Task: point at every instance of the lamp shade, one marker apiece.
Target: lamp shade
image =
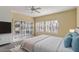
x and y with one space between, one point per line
71 30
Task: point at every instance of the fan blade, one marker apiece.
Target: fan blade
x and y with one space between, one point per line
37 11
38 8
32 6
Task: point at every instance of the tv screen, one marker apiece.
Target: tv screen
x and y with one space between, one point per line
5 27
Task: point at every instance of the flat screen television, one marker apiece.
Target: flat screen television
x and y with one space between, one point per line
5 27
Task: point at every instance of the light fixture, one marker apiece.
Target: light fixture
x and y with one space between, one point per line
71 30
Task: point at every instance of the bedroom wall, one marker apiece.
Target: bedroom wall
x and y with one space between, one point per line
78 17
67 20
5 16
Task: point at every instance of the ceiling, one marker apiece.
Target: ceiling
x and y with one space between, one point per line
45 10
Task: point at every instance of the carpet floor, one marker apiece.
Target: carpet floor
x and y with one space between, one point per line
11 46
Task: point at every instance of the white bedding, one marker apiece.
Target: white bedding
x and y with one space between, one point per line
45 43
63 49
49 44
29 43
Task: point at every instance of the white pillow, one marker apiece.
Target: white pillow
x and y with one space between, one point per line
77 30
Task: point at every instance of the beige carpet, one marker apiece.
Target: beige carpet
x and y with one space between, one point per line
6 47
12 47
17 49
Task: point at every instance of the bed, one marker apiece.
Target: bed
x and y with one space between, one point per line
45 43
63 49
28 44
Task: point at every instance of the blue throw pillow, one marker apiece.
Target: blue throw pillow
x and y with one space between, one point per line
73 34
68 41
75 44
69 34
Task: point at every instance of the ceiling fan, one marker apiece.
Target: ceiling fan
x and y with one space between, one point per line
34 9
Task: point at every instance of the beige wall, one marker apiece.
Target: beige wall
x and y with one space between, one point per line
78 17
67 20
19 16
